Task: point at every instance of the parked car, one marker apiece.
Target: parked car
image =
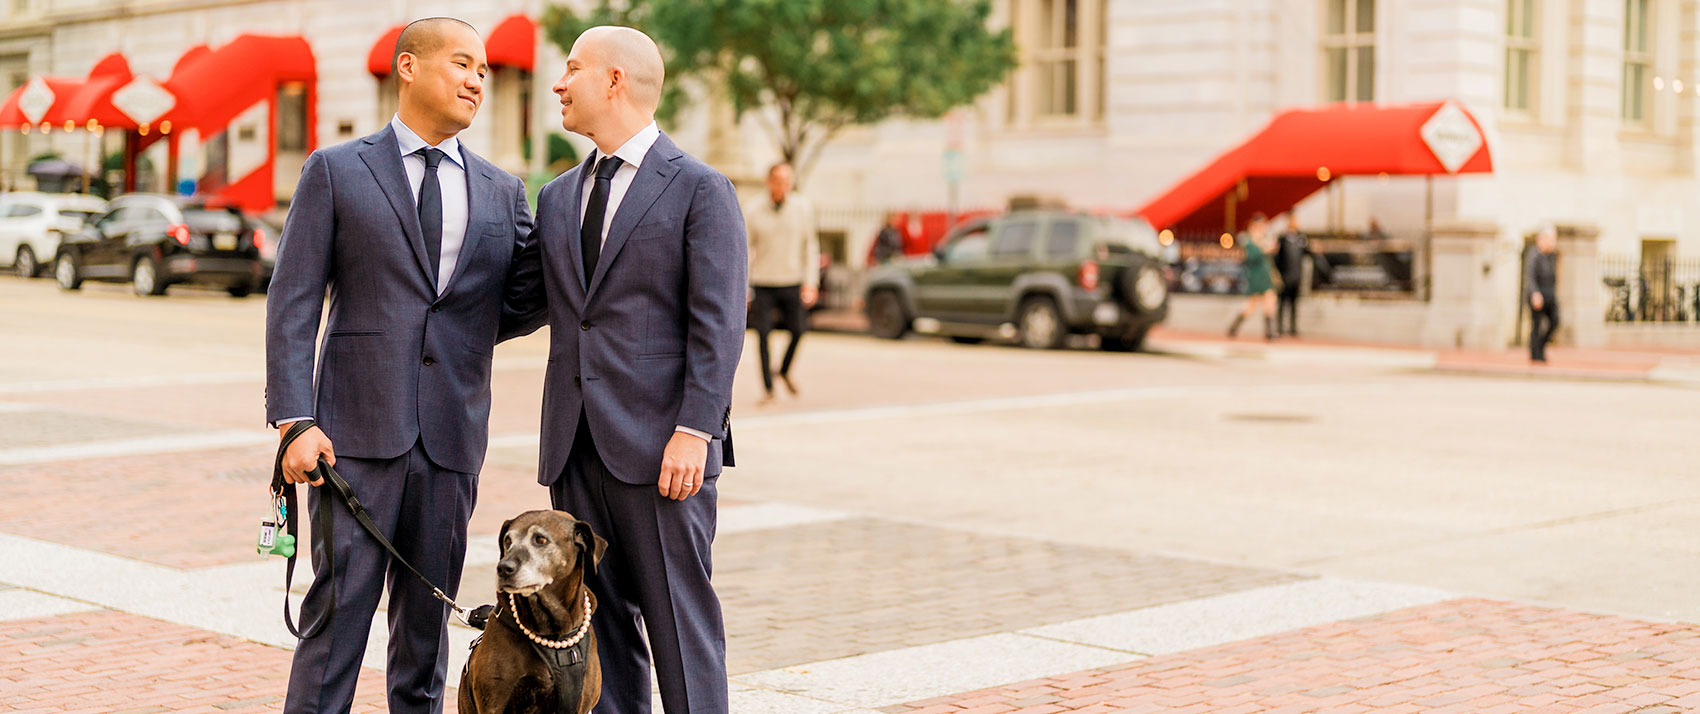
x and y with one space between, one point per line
32 225
1035 276
156 241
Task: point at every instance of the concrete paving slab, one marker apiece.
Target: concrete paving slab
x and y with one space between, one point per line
26 604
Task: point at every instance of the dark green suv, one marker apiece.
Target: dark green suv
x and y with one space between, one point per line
1034 276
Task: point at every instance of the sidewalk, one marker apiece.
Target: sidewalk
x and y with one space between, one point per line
1648 365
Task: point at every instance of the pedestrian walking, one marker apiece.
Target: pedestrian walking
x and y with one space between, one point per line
1292 251
1540 291
1259 283
784 269
638 264
888 245
413 236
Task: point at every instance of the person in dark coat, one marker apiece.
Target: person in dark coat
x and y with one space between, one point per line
1290 254
1540 290
888 245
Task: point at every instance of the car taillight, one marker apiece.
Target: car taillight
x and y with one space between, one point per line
259 239
1087 277
179 232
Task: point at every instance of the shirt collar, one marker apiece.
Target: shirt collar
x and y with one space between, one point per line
637 147
410 142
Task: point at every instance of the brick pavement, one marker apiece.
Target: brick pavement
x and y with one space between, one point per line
1463 656
113 662
842 588
49 427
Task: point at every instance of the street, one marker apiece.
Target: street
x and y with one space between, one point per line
925 520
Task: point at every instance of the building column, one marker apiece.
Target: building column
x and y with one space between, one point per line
1582 320
1465 310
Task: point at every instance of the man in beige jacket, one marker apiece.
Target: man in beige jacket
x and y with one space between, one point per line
784 268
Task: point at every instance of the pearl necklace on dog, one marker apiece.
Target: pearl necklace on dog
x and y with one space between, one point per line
554 644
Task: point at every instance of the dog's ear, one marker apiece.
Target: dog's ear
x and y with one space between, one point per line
589 543
502 535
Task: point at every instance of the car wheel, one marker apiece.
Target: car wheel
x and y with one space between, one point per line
961 340
144 277
886 318
25 263
1143 287
240 290
1041 324
1128 341
66 271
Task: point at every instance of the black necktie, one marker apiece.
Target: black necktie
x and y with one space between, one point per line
590 232
431 208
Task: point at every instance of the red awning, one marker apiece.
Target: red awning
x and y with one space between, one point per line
513 43
1301 150
383 52
12 115
93 99
212 87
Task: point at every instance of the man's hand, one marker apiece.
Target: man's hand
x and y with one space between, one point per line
1537 300
810 295
682 465
303 455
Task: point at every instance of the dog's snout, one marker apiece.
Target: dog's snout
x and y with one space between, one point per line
506 568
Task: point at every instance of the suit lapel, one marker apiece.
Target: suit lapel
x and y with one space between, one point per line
653 177
481 207
575 197
383 157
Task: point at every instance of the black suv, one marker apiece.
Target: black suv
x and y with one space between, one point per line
1035 276
154 241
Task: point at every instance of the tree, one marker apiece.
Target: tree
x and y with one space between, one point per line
820 65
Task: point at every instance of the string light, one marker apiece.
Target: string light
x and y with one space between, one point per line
1322 173
1166 237
1227 240
165 127
93 125
142 130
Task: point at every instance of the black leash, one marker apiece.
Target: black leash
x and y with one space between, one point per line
322 528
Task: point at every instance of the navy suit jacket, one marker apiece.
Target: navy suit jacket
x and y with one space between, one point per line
651 340
399 364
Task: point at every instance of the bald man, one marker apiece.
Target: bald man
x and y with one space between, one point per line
414 237
638 264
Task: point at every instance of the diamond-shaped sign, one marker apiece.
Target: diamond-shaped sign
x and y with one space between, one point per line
143 100
36 100
1451 136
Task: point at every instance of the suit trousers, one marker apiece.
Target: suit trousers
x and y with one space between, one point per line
1287 309
654 580
788 301
423 509
1542 322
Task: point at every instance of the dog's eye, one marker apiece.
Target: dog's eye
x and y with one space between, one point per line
540 540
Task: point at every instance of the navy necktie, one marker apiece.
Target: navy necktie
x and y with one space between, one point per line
590 232
431 209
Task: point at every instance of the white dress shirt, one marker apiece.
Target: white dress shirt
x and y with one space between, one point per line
631 153
451 178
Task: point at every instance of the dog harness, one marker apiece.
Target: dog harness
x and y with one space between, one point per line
565 661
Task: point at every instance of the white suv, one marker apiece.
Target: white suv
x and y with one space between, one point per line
31 225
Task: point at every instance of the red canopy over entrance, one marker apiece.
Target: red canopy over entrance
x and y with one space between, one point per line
513 43
378 58
212 87
1302 150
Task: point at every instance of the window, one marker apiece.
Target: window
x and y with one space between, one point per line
1637 61
1064 240
1348 51
22 211
970 247
1520 54
291 130
1064 60
1015 238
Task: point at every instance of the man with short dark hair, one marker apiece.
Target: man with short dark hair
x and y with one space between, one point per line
1540 291
784 269
413 236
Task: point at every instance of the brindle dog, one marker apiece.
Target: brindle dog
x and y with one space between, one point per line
546 556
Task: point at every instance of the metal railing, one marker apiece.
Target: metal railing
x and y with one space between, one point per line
1637 289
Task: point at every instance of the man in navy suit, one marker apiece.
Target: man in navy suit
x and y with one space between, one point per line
638 264
414 236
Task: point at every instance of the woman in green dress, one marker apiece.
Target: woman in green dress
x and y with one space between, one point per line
1259 279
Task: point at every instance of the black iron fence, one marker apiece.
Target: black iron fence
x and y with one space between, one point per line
1648 289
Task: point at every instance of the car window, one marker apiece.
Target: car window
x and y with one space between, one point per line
1015 238
23 211
110 218
212 220
969 247
148 215
78 215
1063 240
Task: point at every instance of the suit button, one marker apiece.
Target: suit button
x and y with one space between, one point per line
576 381
584 326
436 308
429 361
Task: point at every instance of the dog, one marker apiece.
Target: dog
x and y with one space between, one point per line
540 590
